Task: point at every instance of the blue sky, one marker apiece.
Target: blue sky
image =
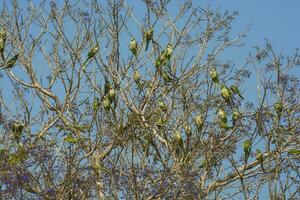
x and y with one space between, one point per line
276 20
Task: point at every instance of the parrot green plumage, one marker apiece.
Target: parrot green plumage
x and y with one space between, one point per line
112 94
222 115
236 116
278 108
11 62
106 103
96 104
3 35
199 121
136 77
162 106
161 60
2 46
169 51
148 36
107 86
236 91
225 126
260 158
17 130
160 122
178 139
91 54
188 129
247 149
133 46
214 75
226 93
222 118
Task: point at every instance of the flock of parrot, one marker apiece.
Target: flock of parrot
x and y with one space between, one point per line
162 60
227 94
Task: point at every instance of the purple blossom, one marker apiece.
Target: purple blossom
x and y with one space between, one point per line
86 16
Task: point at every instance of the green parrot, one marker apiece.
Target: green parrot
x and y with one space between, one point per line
225 126
158 63
11 62
260 158
199 121
226 93
247 149
2 46
160 122
96 104
278 108
17 130
148 36
169 51
137 77
107 86
166 77
90 55
112 94
178 139
3 35
222 115
223 119
106 103
188 130
161 60
133 46
214 75
236 116
162 106
236 91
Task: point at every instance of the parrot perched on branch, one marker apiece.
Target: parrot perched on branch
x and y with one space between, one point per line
107 86
236 116
260 158
236 91
222 118
214 76
90 55
162 106
199 121
226 93
247 149
17 130
178 139
169 51
133 46
278 108
137 77
3 35
148 37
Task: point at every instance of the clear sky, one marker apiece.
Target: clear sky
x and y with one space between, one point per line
275 20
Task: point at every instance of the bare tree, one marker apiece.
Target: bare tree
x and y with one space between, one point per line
132 100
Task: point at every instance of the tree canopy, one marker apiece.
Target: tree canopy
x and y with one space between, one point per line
99 101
